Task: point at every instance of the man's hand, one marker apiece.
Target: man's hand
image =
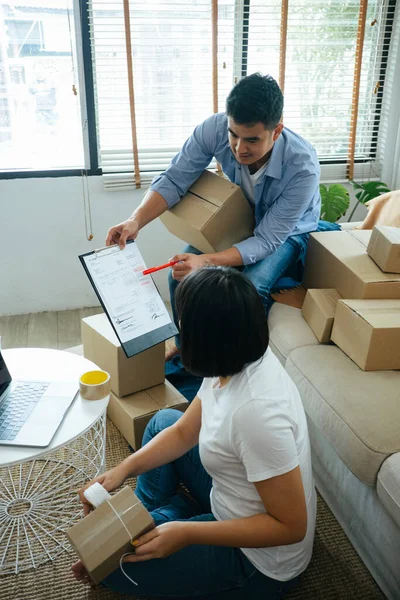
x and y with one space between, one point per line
187 263
119 234
110 480
160 542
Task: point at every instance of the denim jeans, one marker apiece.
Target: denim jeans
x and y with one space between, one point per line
204 572
264 274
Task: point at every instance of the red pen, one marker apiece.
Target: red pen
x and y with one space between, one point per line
154 269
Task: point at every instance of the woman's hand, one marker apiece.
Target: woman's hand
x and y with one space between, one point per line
80 573
110 480
160 542
187 263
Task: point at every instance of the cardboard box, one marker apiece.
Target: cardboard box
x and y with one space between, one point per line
100 539
368 331
212 216
339 260
128 375
384 248
319 311
132 413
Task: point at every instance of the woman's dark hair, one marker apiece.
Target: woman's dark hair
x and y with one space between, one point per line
222 321
256 99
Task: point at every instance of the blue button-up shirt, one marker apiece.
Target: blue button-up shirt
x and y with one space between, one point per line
286 197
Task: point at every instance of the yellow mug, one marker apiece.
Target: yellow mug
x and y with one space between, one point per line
94 385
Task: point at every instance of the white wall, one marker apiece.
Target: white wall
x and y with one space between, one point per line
42 231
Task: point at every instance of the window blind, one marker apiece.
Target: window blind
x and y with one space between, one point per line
309 46
321 47
173 83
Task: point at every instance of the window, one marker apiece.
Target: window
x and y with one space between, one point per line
312 53
321 43
40 120
172 56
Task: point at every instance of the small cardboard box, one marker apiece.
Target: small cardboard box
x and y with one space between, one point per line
368 331
212 216
319 311
384 248
132 413
100 539
339 260
128 375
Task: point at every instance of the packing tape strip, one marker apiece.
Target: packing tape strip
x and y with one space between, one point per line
96 494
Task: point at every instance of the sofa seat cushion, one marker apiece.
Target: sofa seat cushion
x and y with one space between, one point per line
388 486
358 412
288 330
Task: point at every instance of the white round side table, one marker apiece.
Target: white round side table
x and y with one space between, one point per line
38 486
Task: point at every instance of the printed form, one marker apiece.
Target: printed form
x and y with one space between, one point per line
131 299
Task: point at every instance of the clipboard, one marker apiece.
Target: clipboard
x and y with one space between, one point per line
130 299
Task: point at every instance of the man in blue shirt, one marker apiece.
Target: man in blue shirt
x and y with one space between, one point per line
277 170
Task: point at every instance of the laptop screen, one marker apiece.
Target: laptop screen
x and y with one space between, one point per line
5 377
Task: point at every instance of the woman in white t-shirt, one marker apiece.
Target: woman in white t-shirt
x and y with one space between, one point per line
245 529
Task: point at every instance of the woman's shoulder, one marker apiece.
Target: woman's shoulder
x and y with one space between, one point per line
267 382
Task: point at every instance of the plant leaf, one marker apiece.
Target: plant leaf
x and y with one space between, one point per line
368 190
335 200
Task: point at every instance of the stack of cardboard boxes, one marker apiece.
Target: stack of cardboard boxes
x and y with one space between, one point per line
353 297
138 385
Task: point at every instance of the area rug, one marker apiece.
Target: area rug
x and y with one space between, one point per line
335 573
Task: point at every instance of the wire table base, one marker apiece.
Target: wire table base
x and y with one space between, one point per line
39 502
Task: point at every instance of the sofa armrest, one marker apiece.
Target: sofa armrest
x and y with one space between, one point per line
351 225
388 486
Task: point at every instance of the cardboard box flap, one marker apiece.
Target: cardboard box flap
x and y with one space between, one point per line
361 235
326 300
139 404
194 210
391 233
103 326
165 395
216 190
380 314
352 253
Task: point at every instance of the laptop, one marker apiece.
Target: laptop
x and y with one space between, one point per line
31 411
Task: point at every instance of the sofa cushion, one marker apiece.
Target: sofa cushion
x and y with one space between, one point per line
351 225
388 486
288 330
358 412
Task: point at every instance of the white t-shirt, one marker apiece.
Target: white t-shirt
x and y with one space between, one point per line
250 180
252 429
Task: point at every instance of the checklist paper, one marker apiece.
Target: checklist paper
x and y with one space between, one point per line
129 298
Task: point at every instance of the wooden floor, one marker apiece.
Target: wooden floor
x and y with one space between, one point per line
57 330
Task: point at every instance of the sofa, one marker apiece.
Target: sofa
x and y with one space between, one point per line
354 426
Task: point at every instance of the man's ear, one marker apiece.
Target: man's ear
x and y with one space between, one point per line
277 131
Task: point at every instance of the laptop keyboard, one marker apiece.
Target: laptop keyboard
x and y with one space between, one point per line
17 406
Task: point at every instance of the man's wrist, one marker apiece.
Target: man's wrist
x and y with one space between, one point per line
135 218
211 260
226 258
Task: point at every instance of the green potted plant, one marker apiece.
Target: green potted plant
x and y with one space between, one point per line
335 201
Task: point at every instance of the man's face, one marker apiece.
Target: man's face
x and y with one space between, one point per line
251 143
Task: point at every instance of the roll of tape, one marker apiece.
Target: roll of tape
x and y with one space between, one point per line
94 385
96 494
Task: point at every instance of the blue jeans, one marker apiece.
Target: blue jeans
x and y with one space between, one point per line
206 572
264 274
